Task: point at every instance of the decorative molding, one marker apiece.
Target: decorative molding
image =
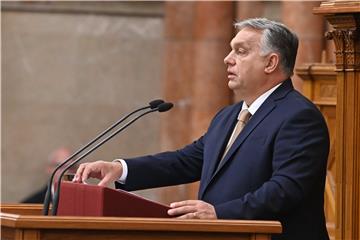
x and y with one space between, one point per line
337 6
310 71
352 56
347 52
327 91
132 9
337 36
346 37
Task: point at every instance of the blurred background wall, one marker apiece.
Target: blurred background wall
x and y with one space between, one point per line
69 69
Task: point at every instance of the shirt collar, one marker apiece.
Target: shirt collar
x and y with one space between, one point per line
258 102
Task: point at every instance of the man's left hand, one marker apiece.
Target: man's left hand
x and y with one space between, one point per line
192 209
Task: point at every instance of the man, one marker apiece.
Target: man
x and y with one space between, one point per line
274 167
55 158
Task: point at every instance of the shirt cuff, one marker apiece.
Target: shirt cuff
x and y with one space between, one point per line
124 174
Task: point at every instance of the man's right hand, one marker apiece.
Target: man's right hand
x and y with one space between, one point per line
107 172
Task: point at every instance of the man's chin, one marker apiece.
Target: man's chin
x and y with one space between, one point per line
232 85
237 90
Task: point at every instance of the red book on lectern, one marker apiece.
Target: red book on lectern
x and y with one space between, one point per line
91 200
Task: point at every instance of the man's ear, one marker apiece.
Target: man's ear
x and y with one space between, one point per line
272 63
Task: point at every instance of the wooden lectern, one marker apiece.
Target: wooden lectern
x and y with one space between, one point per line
86 206
24 221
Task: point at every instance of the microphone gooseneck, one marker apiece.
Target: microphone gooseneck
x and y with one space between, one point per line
48 198
161 107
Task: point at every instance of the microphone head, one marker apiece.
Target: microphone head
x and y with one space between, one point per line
165 107
155 103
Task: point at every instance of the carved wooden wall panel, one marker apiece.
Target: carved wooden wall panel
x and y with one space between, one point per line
320 88
344 16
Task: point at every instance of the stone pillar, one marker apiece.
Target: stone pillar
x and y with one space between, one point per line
213 30
344 16
178 73
197 40
177 84
310 30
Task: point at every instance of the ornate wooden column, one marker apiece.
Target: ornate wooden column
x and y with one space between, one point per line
344 16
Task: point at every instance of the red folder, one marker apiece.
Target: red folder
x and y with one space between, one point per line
92 200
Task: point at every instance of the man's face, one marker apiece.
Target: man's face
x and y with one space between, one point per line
245 65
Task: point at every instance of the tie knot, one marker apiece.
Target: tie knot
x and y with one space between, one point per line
244 116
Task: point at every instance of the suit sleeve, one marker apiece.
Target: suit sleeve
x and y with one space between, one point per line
299 159
165 169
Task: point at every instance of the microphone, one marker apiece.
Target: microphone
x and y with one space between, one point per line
152 105
163 107
155 103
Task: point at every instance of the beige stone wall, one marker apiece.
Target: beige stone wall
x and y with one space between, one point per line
66 76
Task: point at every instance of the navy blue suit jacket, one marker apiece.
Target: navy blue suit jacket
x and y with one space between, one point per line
275 169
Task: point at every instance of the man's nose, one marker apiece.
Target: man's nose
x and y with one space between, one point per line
228 59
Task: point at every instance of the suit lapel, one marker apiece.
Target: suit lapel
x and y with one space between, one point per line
249 127
266 108
224 131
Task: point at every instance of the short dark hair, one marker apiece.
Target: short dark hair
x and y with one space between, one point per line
276 37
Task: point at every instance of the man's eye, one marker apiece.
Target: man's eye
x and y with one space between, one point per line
240 51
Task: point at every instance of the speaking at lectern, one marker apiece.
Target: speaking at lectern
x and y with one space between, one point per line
87 212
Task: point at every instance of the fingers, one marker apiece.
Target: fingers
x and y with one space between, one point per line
89 168
105 181
79 172
183 203
105 171
192 209
182 210
111 172
193 215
